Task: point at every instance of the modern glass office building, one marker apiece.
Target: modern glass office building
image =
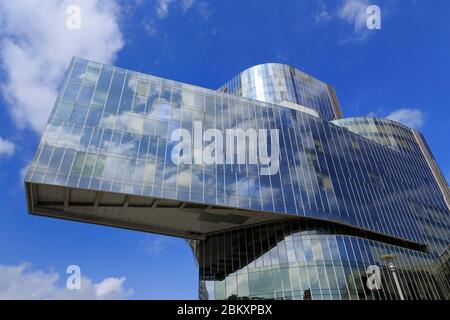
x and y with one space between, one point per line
345 192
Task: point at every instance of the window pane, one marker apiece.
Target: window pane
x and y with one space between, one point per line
78 162
149 127
94 117
113 102
104 80
108 120
77 74
125 103
100 97
79 114
85 96
130 83
99 166
64 111
139 104
188 98
90 77
135 124
165 94
117 81
142 88
71 92
67 162
89 165
44 158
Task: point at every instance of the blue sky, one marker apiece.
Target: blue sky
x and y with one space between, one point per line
400 72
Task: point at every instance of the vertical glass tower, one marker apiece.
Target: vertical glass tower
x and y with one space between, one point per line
345 193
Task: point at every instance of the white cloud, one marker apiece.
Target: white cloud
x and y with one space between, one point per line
162 6
6 147
323 15
163 9
36 48
155 244
149 26
413 118
19 282
204 10
354 12
186 4
111 286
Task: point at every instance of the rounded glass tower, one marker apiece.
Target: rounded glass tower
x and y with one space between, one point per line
285 85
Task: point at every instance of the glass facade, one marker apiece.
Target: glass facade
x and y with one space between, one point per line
340 199
305 260
383 131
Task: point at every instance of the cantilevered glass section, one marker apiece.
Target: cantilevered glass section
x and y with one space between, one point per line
338 200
